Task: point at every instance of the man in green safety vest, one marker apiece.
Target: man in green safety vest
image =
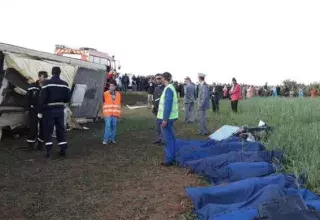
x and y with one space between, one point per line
168 113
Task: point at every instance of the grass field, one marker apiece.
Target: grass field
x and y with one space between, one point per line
125 181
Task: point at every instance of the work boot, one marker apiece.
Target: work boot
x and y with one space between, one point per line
48 153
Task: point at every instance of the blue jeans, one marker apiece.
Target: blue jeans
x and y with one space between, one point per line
170 142
110 128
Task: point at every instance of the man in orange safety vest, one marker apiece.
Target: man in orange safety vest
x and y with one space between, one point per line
111 112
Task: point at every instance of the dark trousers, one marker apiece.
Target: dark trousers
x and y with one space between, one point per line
158 131
125 88
215 104
54 117
234 106
35 127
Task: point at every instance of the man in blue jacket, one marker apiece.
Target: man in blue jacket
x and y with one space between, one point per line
168 113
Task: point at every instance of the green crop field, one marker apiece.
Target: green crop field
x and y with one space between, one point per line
296 122
125 181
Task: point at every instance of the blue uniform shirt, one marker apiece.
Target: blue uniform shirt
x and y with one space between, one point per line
168 100
55 93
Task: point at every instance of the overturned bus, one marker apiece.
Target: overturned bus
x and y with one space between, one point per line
19 67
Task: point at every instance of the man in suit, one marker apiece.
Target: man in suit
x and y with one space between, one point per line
189 100
203 103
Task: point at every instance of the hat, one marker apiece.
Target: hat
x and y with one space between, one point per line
201 75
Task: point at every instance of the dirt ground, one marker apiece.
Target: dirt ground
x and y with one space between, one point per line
123 181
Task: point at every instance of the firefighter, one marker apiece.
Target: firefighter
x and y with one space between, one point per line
111 112
54 96
35 124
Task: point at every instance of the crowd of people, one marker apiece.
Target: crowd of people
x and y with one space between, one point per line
147 84
47 99
163 95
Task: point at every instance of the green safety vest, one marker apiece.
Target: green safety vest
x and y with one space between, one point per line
175 108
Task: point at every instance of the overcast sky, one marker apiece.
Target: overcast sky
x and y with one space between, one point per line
253 40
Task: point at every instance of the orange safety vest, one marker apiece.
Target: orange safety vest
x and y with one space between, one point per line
111 107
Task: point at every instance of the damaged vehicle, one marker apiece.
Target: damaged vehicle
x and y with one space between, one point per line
19 67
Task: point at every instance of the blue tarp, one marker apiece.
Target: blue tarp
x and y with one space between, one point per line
242 170
241 200
238 192
251 210
240 164
235 166
194 150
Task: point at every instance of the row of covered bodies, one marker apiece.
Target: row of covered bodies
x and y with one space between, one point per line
247 182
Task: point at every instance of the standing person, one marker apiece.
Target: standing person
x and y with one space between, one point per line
225 92
244 91
300 93
189 100
33 95
215 97
181 90
250 92
150 89
203 103
157 94
274 92
168 113
55 94
235 93
118 81
314 93
278 90
125 82
111 113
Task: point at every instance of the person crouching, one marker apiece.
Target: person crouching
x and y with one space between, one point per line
111 112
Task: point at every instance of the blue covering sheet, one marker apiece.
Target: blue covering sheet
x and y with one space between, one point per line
251 211
240 164
249 206
243 170
194 150
212 166
238 192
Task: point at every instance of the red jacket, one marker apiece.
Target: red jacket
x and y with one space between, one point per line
235 93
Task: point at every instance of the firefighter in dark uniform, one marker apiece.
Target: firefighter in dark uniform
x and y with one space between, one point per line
54 96
35 124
